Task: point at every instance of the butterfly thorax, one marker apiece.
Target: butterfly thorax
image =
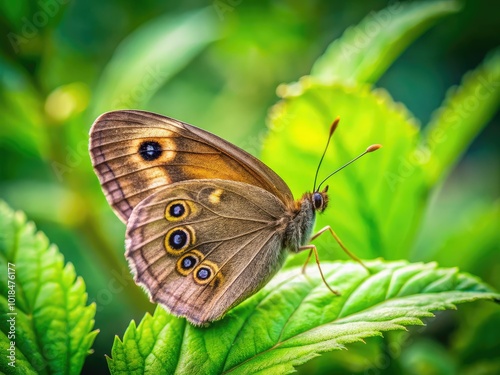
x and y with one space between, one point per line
303 215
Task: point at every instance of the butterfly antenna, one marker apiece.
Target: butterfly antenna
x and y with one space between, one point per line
369 149
332 129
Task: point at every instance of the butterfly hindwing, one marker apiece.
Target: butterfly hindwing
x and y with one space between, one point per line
201 246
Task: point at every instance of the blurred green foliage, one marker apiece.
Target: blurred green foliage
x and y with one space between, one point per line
217 65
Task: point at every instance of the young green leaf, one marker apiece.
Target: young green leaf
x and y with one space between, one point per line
46 326
477 230
464 113
151 56
295 318
366 50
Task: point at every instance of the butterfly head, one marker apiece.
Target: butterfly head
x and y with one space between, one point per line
319 200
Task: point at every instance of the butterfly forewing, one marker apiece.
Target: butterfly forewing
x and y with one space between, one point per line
199 247
137 154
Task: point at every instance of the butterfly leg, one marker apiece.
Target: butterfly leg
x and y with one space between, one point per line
328 228
316 256
306 262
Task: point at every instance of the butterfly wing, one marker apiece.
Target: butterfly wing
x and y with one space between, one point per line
200 247
136 154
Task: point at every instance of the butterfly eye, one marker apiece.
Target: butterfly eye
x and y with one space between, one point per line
150 150
177 210
188 262
318 201
178 239
206 272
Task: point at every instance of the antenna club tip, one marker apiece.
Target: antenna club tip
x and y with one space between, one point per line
373 148
334 125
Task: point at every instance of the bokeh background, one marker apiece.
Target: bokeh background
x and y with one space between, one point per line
62 63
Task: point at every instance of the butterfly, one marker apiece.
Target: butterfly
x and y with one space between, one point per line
208 224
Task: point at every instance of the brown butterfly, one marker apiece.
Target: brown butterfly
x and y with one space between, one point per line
208 224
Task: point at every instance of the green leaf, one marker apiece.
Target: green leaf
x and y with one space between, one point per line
375 204
365 51
150 56
464 113
295 318
52 322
